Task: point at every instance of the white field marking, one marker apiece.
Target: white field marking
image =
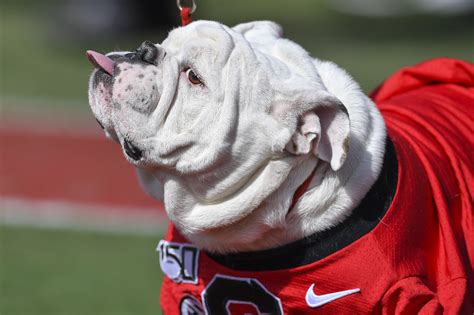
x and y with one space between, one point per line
81 217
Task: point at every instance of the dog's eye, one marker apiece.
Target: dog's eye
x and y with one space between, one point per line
192 77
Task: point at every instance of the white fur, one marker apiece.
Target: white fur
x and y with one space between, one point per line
228 155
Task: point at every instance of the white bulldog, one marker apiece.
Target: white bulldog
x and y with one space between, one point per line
225 124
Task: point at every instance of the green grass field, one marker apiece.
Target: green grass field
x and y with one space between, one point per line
53 272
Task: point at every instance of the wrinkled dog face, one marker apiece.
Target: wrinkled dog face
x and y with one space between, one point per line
215 114
176 106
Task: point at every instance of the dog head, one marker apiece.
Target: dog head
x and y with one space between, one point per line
217 120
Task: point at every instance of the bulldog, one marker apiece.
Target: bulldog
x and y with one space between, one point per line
226 124
260 150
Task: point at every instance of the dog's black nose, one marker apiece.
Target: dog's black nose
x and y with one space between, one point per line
132 151
148 52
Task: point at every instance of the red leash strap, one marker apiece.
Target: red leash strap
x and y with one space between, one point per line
185 13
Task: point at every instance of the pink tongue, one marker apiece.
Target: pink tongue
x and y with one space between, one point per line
101 61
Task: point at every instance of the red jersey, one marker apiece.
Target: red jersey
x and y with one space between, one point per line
417 259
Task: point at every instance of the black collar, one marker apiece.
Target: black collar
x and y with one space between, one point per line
320 245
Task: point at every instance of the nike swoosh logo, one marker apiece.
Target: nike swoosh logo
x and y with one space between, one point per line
314 300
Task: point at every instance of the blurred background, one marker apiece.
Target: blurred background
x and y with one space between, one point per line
77 234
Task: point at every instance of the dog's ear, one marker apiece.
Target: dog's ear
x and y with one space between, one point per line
323 129
261 29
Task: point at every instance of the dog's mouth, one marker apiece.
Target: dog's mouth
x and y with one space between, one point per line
109 88
130 94
100 61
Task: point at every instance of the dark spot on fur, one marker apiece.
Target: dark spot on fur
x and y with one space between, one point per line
154 72
153 87
120 80
143 100
117 71
141 75
129 87
117 105
345 145
119 95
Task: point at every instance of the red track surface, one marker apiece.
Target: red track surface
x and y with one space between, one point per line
75 167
